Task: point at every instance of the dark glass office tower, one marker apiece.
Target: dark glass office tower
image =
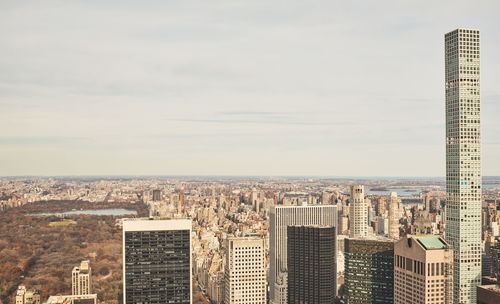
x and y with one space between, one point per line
369 271
157 261
312 264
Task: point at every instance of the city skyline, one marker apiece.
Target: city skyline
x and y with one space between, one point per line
234 89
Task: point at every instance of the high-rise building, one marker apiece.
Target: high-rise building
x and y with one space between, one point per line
463 160
495 260
156 195
369 271
394 216
245 272
358 213
27 296
312 271
157 261
488 294
280 218
423 270
81 279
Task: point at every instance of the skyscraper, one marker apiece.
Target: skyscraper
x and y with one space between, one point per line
463 160
81 283
245 272
157 261
280 218
369 271
394 216
358 213
423 270
312 261
156 195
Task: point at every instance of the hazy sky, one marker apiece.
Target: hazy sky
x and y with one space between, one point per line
337 88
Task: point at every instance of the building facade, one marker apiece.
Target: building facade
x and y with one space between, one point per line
27 296
358 213
157 261
312 271
394 216
488 294
369 271
423 270
245 271
72 299
280 218
81 279
463 160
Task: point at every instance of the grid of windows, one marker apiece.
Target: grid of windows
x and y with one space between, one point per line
463 160
245 271
369 271
311 264
157 267
280 218
358 210
418 282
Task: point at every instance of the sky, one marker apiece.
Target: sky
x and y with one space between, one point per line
235 87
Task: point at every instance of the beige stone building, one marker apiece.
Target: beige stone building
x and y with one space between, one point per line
81 283
394 215
245 278
423 270
27 296
358 213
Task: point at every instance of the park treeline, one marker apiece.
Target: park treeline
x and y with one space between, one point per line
42 256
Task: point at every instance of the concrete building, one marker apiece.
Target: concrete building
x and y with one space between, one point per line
156 195
245 271
488 294
463 160
280 218
216 287
312 271
423 270
394 216
157 261
73 299
27 296
369 271
358 213
81 279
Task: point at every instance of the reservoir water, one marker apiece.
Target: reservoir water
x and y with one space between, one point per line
114 212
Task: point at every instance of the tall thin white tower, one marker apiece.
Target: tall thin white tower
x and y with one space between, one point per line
358 213
463 161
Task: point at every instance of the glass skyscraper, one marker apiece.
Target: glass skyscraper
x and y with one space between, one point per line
157 261
369 271
280 217
312 264
463 160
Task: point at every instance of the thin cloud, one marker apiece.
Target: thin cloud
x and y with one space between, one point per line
41 140
262 122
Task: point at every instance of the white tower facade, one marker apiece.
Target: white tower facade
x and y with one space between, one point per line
463 160
280 218
245 271
358 213
81 276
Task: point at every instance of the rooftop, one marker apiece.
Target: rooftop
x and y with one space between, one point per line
431 242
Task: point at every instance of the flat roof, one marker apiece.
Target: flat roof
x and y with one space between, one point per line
156 225
431 242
